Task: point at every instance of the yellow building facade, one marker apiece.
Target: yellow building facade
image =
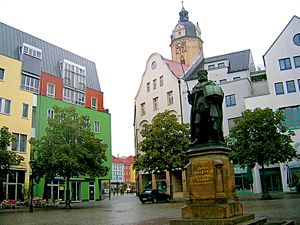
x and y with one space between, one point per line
16 113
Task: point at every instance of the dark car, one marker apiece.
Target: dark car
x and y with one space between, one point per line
154 196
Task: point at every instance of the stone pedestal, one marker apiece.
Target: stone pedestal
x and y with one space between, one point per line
211 197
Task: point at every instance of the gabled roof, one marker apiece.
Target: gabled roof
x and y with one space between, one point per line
294 17
238 61
123 160
176 68
11 38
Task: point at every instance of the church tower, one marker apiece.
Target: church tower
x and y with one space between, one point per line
186 43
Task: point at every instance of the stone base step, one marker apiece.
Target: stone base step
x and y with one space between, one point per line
281 222
236 220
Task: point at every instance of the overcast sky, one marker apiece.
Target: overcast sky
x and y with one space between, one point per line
120 35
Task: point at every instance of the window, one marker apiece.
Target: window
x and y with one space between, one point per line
223 81
25 110
148 87
51 90
13 184
87 123
50 114
290 86
74 75
68 95
279 88
153 65
230 100
80 98
285 64
30 50
19 142
296 39
155 103
292 120
161 81
73 96
5 106
94 103
96 126
170 98
299 84
210 67
221 65
1 74
143 109
154 84
30 83
296 62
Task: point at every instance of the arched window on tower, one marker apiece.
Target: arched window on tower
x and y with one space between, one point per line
182 60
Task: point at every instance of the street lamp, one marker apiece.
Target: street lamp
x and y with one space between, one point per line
32 164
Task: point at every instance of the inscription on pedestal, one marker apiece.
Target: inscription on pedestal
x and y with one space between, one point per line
201 179
202 174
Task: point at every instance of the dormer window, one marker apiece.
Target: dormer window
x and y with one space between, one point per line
211 66
74 77
221 65
30 50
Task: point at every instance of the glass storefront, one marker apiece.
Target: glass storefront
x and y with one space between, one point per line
56 190
272 178
76 190
13 185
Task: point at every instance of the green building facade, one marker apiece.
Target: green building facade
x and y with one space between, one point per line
82 188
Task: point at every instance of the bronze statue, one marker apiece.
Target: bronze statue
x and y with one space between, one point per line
206 113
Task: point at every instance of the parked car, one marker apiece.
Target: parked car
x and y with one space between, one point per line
154 196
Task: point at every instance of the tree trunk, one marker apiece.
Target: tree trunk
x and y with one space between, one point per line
2 194
171 184
68 204
265 193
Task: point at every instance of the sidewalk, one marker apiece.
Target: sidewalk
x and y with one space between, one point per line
274 195
128 210
97 204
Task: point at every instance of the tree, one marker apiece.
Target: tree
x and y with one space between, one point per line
7 158
164 145
259 137
69 149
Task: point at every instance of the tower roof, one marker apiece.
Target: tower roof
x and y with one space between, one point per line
189 27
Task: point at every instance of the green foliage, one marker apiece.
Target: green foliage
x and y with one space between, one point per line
69 147
259 137
164 145
7 158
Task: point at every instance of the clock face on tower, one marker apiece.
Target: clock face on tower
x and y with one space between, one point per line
180 47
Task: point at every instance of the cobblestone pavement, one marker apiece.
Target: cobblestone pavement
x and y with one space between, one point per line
127 210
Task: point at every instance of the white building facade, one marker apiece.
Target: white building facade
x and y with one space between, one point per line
280 89
160 89
282 62
165 84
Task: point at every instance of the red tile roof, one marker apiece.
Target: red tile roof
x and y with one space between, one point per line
177 68
123 160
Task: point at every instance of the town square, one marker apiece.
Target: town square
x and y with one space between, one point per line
173 112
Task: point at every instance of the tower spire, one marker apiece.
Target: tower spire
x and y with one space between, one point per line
183 14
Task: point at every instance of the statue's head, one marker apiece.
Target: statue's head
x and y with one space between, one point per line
202 75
